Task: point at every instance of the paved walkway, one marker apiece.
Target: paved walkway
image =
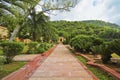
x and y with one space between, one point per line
61 65
25 57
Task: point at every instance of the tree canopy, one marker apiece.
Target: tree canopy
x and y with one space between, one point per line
20 10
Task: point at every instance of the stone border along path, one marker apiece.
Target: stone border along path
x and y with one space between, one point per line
61 65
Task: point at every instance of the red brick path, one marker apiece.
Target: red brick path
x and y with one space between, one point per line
61 65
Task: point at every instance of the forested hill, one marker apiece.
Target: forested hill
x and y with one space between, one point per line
73 25
101 23
104 30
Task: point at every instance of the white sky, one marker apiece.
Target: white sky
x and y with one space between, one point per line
107 10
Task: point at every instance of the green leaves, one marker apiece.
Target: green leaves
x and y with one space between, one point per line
115 46
11 49
83 43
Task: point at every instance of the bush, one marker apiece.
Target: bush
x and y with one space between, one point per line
2 61
104 50
83 43
10 49
95 50
115 46
35 47
43 47
80 43
32 47
40 50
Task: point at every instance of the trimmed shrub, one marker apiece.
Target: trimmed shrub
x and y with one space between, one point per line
10 49
32 47
43 47
35 47
40 50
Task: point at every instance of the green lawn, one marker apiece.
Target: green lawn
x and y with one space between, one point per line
8 68
97 72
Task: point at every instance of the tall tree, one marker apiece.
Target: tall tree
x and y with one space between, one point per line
18 9
25 8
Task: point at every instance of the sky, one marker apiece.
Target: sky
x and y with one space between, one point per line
106 10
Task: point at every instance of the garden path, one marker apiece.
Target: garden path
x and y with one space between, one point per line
61 65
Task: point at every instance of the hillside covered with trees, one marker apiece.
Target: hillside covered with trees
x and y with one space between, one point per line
98 37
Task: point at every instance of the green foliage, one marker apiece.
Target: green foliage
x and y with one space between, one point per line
105 51
95 50
40 50
79 43
1 52
2 61
103 30
25 49
96 34
43 47
101 23
35 47
32 46
83 43
37 21
115 46
110 34
10 49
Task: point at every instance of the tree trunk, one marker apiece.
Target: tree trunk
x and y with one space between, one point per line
13 35
34 35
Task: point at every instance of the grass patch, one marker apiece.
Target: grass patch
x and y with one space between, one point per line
97 72
9 68
115 55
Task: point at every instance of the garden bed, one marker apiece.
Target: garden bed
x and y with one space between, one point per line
97 72
115 64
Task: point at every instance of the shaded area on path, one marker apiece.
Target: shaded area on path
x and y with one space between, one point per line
61 65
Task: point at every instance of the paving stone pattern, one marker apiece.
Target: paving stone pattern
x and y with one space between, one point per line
61 65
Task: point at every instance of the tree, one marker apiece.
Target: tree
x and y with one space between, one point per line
18 9
115 46
36 23
110 34
28 7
